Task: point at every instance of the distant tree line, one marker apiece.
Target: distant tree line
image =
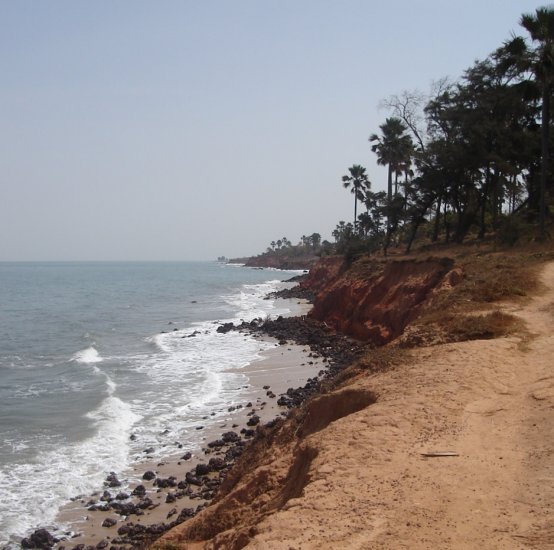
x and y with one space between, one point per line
472 156
309 245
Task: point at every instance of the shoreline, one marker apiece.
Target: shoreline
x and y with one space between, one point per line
285 366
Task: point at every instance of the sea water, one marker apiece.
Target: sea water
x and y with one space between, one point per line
100 361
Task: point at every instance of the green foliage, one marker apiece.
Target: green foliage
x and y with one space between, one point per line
470 157
509 231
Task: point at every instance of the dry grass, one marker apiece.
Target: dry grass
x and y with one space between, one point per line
482 327
489 277
373 361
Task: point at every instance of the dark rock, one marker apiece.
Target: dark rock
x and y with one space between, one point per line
253 421
202 469
171 512
225 327
102 544
213 483
112 480
149 451
139 491
170 498
109 522
99 508
124 529
233 453
121 496
185 514
41 538
170 481
216 464
216 444
192 480
230 437
126 509
145 503
186 456
148 475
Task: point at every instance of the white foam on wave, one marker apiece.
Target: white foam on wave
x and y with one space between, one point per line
159 341
195 376
250 302
59 473
87 356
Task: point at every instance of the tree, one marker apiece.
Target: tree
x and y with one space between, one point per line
541 28
393 148
358 182
315 239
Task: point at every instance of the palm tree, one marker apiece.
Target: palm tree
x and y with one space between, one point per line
359 182
393 148
541 28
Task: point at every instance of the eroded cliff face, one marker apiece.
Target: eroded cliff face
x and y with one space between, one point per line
374 301
371 300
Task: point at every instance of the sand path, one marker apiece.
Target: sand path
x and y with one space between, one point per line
491 402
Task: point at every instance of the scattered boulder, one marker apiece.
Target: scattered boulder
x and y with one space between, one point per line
253 420
109 522
192 479
139 491
230 437
170 481
225 327
216 464
145 503
202 469
112 481
41 538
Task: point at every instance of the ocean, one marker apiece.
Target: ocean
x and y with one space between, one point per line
102 360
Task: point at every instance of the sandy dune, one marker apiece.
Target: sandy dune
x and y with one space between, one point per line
354 476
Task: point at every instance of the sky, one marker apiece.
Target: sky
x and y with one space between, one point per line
187 130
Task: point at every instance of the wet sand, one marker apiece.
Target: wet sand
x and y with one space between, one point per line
280 368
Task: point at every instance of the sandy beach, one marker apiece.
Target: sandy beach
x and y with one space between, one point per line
280 368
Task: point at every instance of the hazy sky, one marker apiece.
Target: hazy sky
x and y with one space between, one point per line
134 130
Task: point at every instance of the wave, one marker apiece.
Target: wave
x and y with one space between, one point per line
172 386
60 473
87 356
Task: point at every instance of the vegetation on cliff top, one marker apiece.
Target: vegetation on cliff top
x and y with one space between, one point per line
472 157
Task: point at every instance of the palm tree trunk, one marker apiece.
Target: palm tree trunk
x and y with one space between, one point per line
484 199
389 185
436 227
545 122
